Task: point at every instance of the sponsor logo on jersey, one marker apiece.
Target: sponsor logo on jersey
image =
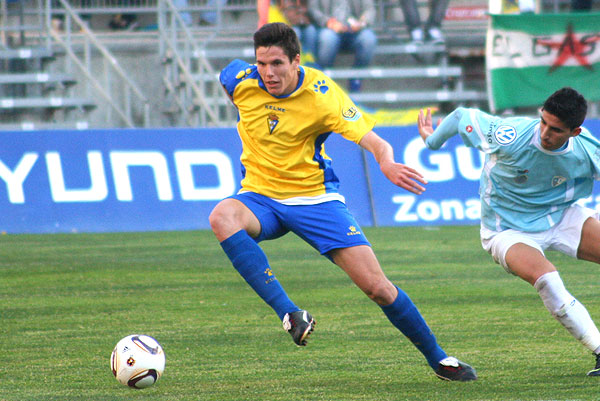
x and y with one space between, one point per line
522 177
351 113
352 231
272 120
469 128
557 180
505 135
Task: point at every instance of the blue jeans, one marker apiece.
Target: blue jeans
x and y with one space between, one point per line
307 35
185 15
362 43
210 17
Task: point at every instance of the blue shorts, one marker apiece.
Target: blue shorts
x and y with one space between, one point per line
325 226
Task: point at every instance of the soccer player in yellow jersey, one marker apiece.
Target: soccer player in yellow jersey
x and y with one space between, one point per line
286 112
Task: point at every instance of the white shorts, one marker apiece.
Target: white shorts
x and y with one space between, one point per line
563 237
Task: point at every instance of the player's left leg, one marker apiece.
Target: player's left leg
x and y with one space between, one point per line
361 265
332 230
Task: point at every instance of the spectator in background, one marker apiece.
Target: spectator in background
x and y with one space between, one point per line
124 21
58 19
581 5
182 5
344 25
295 14
432 31
210 17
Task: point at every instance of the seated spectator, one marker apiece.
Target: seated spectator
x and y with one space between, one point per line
581 5
182 5
344 25
432 31
126 22
296 14
58 18
211 17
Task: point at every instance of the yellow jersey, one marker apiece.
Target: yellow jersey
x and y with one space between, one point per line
283 137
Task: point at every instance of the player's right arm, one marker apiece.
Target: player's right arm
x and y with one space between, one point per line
471 124
233 74
448 127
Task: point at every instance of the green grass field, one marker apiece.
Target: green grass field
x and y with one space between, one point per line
65 300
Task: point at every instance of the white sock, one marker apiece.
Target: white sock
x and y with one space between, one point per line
567 310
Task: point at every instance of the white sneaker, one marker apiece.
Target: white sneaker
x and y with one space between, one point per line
435 35
416 36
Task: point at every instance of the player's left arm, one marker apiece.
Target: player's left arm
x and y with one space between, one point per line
398 173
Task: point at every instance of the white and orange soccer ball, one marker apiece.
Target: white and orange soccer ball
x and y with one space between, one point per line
137 361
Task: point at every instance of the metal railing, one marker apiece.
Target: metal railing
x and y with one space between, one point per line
184 61
205 15
117 89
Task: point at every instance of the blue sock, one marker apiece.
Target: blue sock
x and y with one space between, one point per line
251 262
406 317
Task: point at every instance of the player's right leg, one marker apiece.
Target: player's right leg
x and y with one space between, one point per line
235 225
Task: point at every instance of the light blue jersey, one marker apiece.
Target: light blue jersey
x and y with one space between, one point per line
523 186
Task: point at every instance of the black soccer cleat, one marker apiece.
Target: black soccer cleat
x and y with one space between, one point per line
596 370
452 369
299 324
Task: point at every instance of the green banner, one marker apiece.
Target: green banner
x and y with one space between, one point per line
529 56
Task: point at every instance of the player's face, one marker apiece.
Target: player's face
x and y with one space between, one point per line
553 132
279 75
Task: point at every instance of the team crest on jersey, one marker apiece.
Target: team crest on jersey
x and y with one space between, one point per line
505 135
557 180
272 120
351 113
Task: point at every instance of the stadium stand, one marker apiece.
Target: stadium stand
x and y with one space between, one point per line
26 85
82 74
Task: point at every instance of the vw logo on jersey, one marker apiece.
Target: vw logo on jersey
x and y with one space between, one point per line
505 135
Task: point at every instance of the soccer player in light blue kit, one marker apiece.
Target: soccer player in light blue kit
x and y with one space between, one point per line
286 112
535 171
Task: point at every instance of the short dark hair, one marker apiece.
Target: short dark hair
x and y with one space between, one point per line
278 34
568 105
